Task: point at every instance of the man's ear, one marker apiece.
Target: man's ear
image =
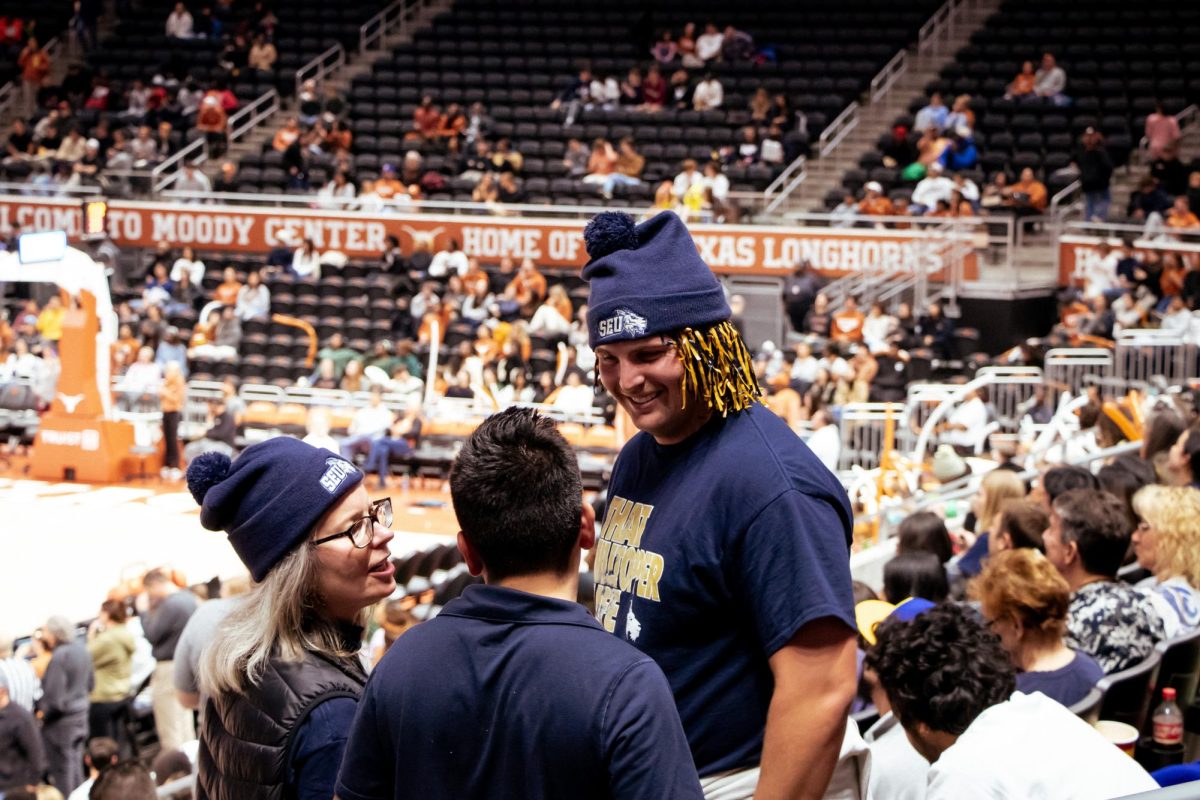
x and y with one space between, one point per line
587 527
470 555
1071 552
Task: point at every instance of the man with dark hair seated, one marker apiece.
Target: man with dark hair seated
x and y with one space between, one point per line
951 685
514 689
1058 480
1086 540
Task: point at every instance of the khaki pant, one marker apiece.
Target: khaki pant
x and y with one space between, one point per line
849 781
174 723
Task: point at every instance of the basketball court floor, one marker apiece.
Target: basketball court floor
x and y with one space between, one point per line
63 546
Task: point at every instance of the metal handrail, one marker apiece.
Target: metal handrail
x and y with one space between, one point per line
28 189
173 163
940 26
889 75
375 29
1056 202
250 116
332 59
837 130
782 187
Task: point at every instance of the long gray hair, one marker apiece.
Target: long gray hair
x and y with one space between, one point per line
279 617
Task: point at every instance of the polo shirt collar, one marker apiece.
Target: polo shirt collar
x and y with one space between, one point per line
501 604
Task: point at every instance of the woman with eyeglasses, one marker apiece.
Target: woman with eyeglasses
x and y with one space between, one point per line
281 680
1167 542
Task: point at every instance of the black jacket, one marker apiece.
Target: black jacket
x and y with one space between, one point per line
246 738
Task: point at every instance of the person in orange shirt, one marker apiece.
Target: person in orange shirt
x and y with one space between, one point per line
1181 216
561 302
227 292
1024 83
875 204
427 119
289 133
438 312
529 286
35 66
388 185
476 280
847 323
1028 195
171 395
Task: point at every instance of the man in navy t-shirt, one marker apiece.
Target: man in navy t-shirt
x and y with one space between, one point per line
724 551
514 690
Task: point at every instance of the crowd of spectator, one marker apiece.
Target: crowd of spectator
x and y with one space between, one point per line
73 697
92 129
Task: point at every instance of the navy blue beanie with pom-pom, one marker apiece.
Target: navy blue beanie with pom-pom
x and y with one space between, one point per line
647 279
270 498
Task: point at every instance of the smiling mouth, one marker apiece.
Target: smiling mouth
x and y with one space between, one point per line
642 401
382 565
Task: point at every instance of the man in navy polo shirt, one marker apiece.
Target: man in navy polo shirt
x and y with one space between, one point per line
514 690
724 552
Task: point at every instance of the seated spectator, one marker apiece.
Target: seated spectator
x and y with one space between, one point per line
933 115
960 153
874 203
685 180
332 102
680 90
961 118
845 213
630 89
426 118
687 47
528 287
1021 525
1025 84
451 261
227 291
452 124
748 151
708 44
352 379
285 136
549 320
180 24
1025 600
1169 171
664 50
138 390
308 103
1149 198
1180 216
143 148
126 780
227 181
736 45
924 532
1028 195
1167 542
212 120
963 425
253 299
915 574
368 424
716 185
72 148
485 191
847 322
306 261
654 89
262 55
508 190
628 168
1086 540
877 328
936 186
575 159
930 147
709 94
601 162
338 193
951 685
400 440
505 158
1050 81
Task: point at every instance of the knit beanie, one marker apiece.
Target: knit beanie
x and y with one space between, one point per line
270 497
648 280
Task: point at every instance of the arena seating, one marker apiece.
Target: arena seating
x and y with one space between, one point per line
516 58
44 20
1119 57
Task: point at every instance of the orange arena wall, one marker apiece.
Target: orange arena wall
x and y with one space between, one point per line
728 249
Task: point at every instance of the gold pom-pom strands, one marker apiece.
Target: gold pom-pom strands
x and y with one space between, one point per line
717 368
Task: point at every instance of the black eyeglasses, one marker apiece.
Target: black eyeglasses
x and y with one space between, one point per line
363 529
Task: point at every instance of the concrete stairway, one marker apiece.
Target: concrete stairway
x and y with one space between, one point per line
874 119
356 64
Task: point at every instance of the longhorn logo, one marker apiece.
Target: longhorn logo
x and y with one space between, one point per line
70 401
419 237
